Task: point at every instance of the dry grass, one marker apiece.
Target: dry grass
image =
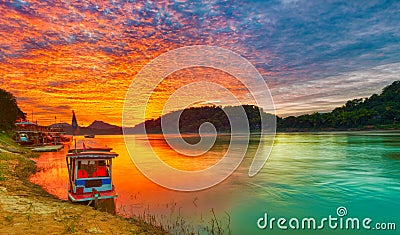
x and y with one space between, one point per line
175 223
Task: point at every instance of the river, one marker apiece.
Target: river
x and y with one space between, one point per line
307 175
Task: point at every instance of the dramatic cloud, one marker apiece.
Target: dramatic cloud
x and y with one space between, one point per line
83 55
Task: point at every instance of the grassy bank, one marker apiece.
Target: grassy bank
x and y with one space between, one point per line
26 208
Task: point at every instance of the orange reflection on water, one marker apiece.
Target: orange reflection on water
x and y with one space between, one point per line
136 193
187 163
52 173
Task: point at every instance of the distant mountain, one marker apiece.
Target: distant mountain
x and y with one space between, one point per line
96 128
101 125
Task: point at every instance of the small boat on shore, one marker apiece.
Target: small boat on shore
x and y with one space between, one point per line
48 148
89 136
90 175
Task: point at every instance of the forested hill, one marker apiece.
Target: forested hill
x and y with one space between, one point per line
376 112
191 119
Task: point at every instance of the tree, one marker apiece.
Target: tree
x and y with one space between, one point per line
9 110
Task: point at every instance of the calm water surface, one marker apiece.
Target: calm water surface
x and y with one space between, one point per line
307 175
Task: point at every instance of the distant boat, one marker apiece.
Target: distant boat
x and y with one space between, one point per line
90 176
90 136
22 138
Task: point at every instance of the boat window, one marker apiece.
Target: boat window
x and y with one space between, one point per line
102 169
82 170
92 168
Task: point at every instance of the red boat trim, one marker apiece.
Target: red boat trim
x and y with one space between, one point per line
90 196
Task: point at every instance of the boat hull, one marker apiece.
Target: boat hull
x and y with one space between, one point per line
50 148
85 197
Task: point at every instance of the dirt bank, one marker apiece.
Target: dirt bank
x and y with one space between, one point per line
26 208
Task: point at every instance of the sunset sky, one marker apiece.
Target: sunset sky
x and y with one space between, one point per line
58 56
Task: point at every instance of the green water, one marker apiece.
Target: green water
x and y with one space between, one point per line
311 175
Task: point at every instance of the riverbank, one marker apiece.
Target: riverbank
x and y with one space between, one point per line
26 208
391 127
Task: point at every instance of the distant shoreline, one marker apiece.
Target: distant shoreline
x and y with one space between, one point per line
339 130
279 131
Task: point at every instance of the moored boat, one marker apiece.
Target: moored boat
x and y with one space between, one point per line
90 175
89 136
48 148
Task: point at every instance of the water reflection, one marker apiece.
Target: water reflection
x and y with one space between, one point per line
307 174
136 193
184 162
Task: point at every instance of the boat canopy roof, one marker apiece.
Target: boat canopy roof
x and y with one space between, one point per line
93 155
90 149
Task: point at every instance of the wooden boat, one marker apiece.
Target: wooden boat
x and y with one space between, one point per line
48 148
90 176
89 136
